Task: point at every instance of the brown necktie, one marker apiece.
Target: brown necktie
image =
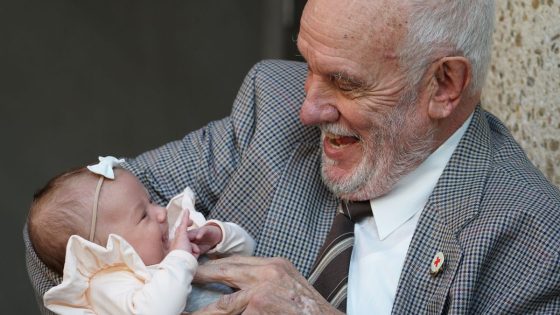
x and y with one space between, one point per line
329 275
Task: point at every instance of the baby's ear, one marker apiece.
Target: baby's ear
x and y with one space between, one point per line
450 77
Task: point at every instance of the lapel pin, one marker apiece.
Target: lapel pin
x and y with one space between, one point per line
437 263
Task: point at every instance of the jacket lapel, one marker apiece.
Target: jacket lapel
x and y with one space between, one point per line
452 205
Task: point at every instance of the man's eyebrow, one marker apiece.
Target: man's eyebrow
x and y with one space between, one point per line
347 79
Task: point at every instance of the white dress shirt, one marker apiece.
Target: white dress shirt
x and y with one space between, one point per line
381 242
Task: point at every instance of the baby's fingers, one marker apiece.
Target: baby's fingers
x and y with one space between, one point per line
201 233
182 228
195 250
196 234
190 221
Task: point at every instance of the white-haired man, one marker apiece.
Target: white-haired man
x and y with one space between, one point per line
462 222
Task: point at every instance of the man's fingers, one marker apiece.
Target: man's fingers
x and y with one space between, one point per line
244 272
248 260
226 274
268 286
270 298
234 303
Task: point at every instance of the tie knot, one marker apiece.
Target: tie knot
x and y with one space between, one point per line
356 210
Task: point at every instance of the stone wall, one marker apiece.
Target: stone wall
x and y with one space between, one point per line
523 86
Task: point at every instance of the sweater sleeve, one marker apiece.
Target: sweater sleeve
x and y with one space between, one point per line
235 240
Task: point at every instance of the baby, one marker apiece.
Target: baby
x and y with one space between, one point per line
118 252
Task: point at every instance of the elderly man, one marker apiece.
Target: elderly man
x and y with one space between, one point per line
456 218
461 221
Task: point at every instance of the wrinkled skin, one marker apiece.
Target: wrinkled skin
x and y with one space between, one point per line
267 286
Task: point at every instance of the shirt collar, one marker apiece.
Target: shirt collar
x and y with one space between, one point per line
411 192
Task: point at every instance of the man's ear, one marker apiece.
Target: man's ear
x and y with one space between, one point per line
451 76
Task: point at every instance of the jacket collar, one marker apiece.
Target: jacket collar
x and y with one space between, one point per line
411 193
454 203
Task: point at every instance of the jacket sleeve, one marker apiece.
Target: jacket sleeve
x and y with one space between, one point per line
204 159
121 292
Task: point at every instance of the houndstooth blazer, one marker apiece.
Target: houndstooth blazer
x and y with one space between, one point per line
492 214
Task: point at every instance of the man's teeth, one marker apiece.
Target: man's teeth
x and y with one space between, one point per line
337 140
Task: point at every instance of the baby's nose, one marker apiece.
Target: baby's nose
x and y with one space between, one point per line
161 214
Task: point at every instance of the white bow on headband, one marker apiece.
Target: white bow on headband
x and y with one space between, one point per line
105 166
105 169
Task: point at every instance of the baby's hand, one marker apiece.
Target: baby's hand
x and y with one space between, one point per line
205 237
181 240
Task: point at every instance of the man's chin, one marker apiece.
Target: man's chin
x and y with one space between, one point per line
357 185
334 175
342 184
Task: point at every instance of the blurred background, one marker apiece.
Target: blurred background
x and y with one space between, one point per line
80 79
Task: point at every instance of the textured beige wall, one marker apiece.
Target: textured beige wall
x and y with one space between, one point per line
523 86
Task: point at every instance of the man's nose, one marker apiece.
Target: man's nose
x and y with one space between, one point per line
319 104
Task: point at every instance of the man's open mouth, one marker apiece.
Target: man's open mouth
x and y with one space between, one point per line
340 141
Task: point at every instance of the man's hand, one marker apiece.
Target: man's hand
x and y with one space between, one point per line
267 286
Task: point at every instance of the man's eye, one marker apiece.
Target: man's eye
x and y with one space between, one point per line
343 84
344 87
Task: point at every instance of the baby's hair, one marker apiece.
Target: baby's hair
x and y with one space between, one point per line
60 209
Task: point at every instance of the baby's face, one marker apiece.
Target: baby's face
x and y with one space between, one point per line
126 209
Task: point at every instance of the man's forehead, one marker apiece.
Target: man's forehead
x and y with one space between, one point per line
376 23
364 12
335 41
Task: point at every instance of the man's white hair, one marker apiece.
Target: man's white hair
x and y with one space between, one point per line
439 28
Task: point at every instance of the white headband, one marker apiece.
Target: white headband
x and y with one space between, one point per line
105 169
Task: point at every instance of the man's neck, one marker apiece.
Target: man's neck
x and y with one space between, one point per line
445 128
